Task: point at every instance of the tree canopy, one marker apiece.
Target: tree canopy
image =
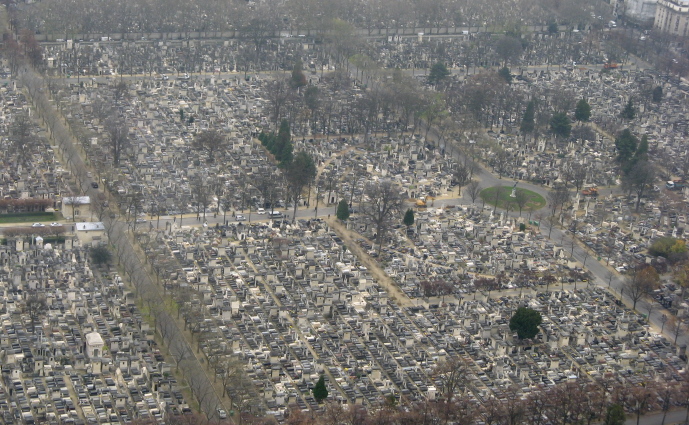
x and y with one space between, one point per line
299 172
505 74
342 210
525 322
408 219
298 78
438 73
667 246
279 145
626 144
320 391
210 141
100 255
560 125
614 415
509 49
629 111
582 111
528 123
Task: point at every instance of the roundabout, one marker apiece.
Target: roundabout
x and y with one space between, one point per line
510 198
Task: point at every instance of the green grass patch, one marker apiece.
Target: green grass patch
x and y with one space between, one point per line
502 194
32 217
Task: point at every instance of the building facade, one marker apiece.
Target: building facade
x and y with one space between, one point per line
642 11
672 16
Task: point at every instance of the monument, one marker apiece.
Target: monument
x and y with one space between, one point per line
514 190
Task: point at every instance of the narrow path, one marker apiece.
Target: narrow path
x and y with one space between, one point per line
349 237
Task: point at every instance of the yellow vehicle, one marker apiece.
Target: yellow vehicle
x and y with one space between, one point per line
422 202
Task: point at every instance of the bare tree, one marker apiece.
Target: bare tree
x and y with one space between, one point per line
210 141
180 350
277 95
22 138
202 194
677 327
639 179
473 190
299 173
383 206
501 161
35 306
460 176
641 283
521 198
451 375
119 137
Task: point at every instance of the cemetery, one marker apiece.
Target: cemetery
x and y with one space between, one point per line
251 294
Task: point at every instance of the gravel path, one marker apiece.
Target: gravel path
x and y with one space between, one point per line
350 237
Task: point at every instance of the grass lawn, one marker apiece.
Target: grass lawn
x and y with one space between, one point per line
534 200
30 217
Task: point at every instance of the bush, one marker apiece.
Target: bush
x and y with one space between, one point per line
667 247
100 255
525 322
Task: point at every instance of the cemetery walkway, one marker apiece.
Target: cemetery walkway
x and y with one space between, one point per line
349 237
61 134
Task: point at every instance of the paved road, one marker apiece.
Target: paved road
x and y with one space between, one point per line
119 235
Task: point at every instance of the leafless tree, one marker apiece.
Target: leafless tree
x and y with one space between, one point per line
299 174
383 206
558 199
119 137
501 161
202 195
640 283
451 376
35 306
180 350
461 176
278 95
210 141
521 198
639 179
21 136
473 190
677 327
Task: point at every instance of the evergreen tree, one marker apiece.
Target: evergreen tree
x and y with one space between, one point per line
560 125
582 113
626 145
100 255
525 322
528 123
342 210
642 150
657 94
283 144
505 74
320 392
298 77
614 415
408 219
629 111
437 73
